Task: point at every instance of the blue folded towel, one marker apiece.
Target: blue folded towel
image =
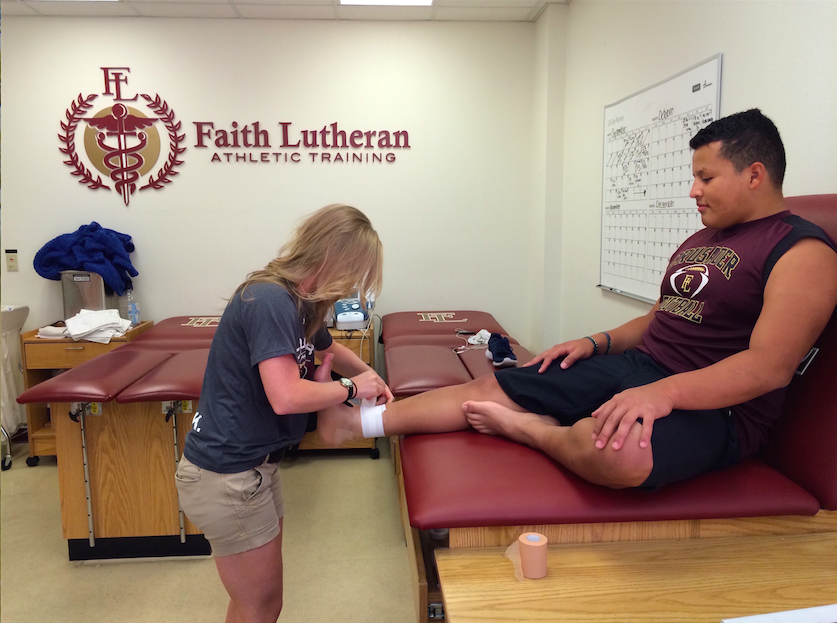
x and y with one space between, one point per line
92 248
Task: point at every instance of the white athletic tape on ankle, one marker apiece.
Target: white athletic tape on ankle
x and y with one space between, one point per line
372 418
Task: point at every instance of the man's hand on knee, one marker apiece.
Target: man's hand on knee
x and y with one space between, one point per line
613 420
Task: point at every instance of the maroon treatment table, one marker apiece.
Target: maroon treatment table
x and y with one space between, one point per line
120 421
488 490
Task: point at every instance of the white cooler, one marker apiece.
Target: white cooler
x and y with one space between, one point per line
12 414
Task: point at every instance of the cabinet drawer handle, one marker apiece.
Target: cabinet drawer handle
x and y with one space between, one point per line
74 348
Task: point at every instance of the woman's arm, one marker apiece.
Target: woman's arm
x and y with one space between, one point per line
347 363
288 393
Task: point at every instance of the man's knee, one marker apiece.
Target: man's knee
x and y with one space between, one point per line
627 467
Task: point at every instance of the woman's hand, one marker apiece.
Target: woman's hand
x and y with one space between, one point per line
369 385
571 352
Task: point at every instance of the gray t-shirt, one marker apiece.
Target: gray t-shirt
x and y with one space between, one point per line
235 427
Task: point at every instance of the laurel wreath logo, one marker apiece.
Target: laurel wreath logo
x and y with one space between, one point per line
75 113
166 115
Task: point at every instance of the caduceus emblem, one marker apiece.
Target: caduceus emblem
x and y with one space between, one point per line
124 160
121 141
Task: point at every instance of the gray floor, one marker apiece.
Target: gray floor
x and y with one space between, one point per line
345 557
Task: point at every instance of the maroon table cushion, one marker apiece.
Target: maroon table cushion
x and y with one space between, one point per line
467 479
802 445
478 364
449 340
177 378
436 323
97 380
412 370
178 334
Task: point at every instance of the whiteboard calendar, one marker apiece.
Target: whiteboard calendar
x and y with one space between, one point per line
647 177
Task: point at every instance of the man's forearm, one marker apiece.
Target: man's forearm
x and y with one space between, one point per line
626 336
734 380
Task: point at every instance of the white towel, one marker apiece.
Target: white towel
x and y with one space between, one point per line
97 326
52 333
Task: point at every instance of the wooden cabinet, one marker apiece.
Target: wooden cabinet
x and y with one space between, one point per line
41 358
131 461
362 343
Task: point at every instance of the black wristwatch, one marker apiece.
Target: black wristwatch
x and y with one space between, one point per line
349 384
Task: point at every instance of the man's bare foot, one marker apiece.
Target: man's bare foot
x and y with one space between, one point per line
492 418
338 424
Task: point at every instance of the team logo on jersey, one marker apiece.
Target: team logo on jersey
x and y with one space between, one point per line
684 281
121 139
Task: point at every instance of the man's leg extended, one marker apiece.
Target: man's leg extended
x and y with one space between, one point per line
571 446
485 406
435 411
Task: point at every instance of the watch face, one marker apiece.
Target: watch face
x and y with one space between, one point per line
347 383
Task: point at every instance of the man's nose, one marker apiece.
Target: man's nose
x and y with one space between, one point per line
695 192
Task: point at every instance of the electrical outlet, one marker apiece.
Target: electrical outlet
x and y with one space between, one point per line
11 260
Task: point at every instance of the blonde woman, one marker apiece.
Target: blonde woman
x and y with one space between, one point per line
255 398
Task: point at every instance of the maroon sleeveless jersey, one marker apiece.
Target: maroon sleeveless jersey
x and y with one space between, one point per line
710 300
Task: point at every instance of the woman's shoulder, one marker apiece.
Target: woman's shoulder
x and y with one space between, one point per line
265 292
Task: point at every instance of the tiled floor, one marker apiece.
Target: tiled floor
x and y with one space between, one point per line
344 551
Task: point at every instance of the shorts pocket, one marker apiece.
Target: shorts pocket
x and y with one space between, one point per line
248 484
187 472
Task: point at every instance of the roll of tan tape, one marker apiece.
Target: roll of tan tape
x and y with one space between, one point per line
533 554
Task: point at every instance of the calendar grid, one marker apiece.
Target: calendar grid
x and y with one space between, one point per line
646 170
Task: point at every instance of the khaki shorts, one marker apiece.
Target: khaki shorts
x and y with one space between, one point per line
236 512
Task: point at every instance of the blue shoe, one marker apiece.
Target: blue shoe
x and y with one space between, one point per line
500 351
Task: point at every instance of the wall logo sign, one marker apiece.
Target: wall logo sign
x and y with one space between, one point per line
249 143
121 138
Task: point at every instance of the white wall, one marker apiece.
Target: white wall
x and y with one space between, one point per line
778 56
495 207
454 211
547 170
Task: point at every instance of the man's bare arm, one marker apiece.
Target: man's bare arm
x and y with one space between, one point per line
622 338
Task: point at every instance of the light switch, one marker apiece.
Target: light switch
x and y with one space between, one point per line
11 260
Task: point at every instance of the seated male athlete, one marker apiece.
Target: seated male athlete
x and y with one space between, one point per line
697 383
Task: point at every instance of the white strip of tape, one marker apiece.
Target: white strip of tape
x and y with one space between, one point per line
372 418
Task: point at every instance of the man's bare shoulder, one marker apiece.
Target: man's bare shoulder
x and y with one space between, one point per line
810 256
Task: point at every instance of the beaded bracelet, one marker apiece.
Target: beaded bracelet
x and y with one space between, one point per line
595 345
609 342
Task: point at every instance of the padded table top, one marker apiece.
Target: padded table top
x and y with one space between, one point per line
467 479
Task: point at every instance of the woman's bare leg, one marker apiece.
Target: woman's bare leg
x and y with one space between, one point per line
253 580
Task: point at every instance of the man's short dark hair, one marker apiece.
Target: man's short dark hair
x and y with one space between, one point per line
747 137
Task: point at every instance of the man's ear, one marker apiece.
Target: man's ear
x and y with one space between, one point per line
757 175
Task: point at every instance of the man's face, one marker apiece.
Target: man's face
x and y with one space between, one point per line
720 192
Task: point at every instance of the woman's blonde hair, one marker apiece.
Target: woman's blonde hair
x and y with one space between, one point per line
339 247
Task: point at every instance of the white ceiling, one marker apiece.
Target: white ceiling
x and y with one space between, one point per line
442 10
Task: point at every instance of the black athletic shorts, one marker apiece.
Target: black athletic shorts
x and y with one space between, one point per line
684 444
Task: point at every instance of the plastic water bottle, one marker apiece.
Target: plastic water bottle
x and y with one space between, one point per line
133 309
